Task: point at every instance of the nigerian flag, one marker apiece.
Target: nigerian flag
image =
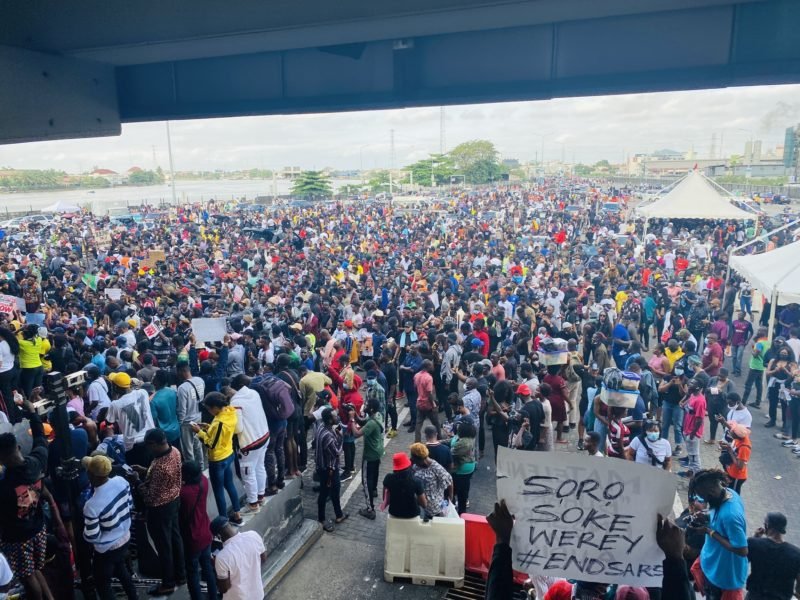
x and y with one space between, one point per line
90 280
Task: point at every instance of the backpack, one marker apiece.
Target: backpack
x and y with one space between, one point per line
276 398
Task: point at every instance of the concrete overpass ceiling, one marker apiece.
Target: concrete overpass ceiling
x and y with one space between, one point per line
112 62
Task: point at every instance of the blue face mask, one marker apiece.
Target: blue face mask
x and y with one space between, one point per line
699 499
653 436
517 279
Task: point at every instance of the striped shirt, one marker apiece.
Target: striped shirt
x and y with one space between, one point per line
107 515
327 448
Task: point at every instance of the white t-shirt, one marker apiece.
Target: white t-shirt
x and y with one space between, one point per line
6 358
742 417
660 449
240 562
132 413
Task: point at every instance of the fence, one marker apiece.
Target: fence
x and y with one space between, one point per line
737 189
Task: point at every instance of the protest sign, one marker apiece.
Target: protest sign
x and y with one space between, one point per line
8 304
34 319
435 300
154 256
585 518
114 293
209 330
238 293
200 265
21 304
151 331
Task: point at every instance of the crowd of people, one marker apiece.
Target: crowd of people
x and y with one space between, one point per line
342 319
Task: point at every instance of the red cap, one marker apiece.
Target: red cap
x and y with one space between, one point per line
401 461
524 390
348 323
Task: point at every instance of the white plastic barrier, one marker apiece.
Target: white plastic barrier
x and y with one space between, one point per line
427 553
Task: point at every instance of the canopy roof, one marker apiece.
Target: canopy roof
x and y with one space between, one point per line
694 197
778 270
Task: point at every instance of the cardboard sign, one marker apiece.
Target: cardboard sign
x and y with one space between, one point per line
102 238
200 265
209 330
34 319
114 293
151 331
585 518
238 293
435 300
8 304
154 256
21 304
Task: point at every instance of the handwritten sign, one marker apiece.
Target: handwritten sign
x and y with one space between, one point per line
102 238
34 319
114 293
238 294
154 256
209 330
200 265
151 331
8 304
587 518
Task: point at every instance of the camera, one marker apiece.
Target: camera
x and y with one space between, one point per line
698 520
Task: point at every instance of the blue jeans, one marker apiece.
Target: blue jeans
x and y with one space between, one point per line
672 414
737 352
601 428
195 564
411 399
220 472
746 305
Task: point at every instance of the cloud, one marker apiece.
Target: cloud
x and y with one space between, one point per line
586 129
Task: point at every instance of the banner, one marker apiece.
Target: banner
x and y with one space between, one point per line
154 256
114 293
209 330
8 304
200 265
151 331
238 294
585 518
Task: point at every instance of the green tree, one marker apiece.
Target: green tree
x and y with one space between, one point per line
442 166
582 170
379 182
312 184
145 178
601 165
478 161
735 160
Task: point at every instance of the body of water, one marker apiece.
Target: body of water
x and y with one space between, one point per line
118 198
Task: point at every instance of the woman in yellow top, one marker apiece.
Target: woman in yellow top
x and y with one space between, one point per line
30 359
217 436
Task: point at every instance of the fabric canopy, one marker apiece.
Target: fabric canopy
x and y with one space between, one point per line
778 270
694 197
62 206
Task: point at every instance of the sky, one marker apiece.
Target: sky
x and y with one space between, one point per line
574 129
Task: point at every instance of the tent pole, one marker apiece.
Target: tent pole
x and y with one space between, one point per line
727 278
644 241
773 308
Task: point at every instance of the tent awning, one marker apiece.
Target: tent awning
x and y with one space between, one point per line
776 270
62 206
694 197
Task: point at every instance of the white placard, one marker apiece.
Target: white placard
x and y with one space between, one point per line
585 518
114 293
435 300
152 331
209 330
238 293
8 304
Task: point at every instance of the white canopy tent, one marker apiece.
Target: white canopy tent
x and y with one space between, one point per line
62 206
776 274
694 197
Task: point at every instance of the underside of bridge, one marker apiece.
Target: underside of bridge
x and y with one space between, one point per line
80 69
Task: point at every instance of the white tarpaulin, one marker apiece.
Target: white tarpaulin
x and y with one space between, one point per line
776 270
62 206
592 519
694 197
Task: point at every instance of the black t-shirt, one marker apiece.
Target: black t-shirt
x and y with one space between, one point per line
441 454
774 568
535 413
403 491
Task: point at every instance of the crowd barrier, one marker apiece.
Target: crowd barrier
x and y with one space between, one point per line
479 546
425 552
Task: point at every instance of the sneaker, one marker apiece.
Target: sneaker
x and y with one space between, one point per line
412 429
686 474
346 476
769 424
678 450
580 445
796 449
684 461
789 441
250 509
391 433
367 513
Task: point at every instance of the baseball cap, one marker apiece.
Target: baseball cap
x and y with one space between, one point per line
122 380
98 465
776 521
477 342
218 524
524 390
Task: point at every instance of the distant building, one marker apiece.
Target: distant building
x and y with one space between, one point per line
666 154
511 163
791 151
112 177
290 172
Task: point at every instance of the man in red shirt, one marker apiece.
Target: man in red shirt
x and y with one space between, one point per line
426 401
479 332
713 355
693 424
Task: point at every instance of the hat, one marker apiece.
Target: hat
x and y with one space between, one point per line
348 323
567 325
372 374
737 429
122 380
377 313
560 590
99 466
400 461
296 327
218 524
524 390
132 322
477 342
15 326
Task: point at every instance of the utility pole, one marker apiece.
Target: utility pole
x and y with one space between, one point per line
391 158
171 167
155 162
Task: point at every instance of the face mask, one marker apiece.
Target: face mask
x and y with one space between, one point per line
653 436
678 372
